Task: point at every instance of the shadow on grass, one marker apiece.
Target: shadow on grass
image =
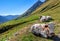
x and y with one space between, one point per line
50 20
54 38
8 27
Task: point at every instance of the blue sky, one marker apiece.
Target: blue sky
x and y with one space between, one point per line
15 7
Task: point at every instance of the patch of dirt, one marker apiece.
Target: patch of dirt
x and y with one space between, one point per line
19 33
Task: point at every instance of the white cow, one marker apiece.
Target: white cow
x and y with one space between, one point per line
38 29
45 18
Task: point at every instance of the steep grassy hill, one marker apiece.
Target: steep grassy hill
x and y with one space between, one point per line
50 7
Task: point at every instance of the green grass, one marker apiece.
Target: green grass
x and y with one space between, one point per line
31 37
48 8
55 15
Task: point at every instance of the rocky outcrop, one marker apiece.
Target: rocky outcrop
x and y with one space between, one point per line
37 29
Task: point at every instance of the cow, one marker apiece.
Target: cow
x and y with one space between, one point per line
45 18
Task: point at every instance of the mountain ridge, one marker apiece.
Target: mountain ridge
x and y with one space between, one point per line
3 19
32 8
7 18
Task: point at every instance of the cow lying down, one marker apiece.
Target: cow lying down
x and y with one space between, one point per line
45 30
45 18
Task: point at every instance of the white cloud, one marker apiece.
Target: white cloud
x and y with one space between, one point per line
42 0
8 14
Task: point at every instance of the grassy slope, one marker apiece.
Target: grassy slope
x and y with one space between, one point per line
49 8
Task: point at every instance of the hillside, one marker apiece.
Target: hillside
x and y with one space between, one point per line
50 7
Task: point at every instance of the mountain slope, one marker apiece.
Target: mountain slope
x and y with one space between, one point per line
50 7
31 9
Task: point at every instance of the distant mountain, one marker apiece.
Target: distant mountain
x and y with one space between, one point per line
33 8
3 19
7 18
10 17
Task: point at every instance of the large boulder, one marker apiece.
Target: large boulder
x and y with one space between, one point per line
37 29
